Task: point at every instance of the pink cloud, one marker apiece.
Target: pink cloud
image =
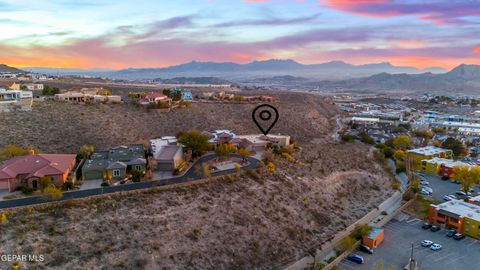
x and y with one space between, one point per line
436 11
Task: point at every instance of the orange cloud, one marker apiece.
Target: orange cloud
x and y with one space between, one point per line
477 50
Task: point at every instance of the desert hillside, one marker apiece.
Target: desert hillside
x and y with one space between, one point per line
246 222
61 127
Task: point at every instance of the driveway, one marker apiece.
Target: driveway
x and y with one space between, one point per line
3 192
90 184
396 248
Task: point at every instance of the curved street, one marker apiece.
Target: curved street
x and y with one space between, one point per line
191 175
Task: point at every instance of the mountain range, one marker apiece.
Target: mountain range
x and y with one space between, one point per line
8 69
239 72
464 79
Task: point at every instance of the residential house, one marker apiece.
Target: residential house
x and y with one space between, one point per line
78 97
33 86
155 98
20 98
116 163
9 85
27 170
186 95
169 157
259 142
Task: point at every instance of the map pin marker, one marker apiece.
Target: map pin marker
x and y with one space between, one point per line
265 117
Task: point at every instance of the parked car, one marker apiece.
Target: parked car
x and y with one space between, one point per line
451 233
435 247
365 249
426 243
445 178
435 228
461 193
428 189
426 226
424 183
458 236
453 197
355 258
447 198
424 192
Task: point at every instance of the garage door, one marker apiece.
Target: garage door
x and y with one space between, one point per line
3 184
164 166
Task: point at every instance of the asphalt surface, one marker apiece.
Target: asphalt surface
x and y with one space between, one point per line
444 187
399 236
194 173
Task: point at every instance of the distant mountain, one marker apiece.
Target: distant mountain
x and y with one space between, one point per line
462 79
69 71
196 80
8 69
238 72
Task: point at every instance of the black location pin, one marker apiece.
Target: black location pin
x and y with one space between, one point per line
265 116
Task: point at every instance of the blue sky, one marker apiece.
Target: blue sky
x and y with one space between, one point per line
142 33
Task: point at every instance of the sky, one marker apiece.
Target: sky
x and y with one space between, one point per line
158 33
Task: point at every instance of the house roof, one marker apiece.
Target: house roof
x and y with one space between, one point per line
154 95
117 165
6 83
374 233
168 152
36 165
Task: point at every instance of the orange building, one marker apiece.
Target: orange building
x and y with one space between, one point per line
375 238
464 217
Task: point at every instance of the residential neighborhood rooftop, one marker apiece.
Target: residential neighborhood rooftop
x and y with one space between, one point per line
459 208
428 150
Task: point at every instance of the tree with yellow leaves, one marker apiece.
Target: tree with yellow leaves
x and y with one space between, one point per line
466 177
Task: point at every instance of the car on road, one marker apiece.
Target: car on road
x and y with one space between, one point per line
458 236
435 228
435 247
365 249
426 243
426 226
451 233
355 258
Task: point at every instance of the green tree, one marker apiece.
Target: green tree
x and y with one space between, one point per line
195 141
11 151
50 91
244 153
402 142
206 171
365 138
136 175
361 230
346 244
45 181
466 178
225 149
457 147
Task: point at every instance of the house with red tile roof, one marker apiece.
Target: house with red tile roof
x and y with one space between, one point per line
154 98
27 170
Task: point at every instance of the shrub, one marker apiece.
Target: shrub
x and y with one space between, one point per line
105 184
27 190
53 193
68 185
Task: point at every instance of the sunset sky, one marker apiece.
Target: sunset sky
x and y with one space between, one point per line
153 33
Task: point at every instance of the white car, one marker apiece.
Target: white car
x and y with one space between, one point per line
426 243
424 183
428 189
424 192
435 247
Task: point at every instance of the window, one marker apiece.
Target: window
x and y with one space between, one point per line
138 168
116 172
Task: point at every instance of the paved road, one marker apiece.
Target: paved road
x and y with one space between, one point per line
194 173
444 187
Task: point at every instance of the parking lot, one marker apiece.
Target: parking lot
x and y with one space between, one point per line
444 187
399 236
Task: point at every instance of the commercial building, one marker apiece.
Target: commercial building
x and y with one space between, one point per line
442 166
458 215
375 238
416 156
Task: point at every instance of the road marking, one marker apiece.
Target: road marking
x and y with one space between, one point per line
347 265
414 221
